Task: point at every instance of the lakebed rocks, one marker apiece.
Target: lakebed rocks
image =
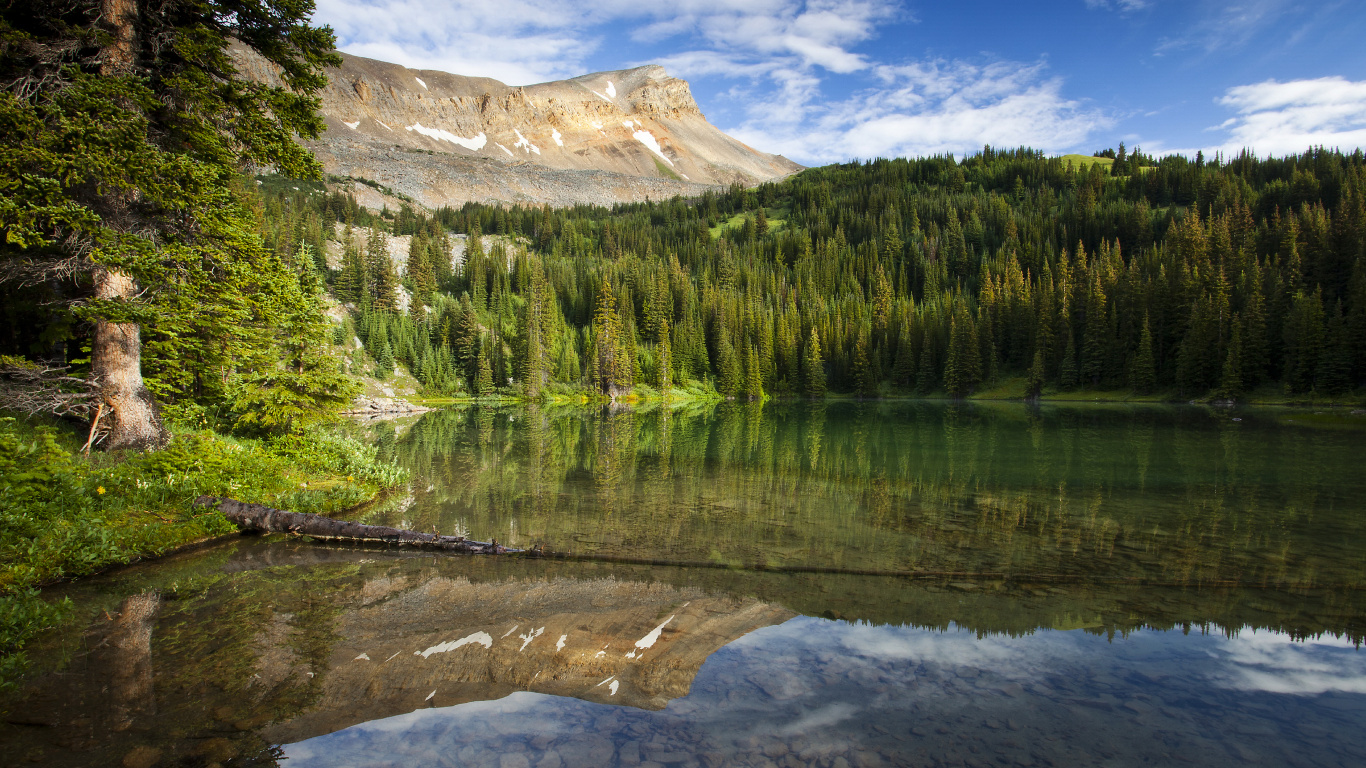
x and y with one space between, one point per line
379 406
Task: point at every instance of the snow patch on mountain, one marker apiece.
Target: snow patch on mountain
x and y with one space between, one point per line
524 143
477 143
648 139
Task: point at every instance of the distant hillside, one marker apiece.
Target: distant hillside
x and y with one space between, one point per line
1086 161
445 139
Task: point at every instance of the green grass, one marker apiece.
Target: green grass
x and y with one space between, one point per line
1085 161
666 171
776 221
64 514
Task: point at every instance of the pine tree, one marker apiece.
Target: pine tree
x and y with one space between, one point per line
384 358
927 375
381 278
1231 381
729 375
1143 373
903 372
754 381
963 368
813 366
483 383
123 124
1067 369
612 362
664 352
1094 345
863 380
1334 375
1037 374
1303 342
420 272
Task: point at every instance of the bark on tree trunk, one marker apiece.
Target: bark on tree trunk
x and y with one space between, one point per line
135 418
256 517
116 351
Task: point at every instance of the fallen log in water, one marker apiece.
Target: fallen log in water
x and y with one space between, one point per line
257 517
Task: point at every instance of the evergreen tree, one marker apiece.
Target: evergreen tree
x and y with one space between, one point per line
754 382
1231 381
963 369
123 125
1303 342
1334 375
813 366
664 351
729 375
1037 374
1143 374
483 383
865 384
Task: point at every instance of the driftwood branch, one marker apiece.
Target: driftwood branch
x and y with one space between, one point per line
257 517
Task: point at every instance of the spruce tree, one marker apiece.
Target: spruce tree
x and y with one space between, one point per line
1231 380
1334 374
729 374
123 126
863 380
1143 373
813 366
963 368
1037 375
483 383
754 380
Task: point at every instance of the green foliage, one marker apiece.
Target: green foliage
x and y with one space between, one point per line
63 514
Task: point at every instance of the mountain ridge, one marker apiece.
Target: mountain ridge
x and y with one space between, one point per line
447 139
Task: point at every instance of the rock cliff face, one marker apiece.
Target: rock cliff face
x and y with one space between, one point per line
446 139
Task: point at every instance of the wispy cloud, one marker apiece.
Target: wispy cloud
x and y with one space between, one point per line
930 107
1283 118
1123 6
1223 25
522 41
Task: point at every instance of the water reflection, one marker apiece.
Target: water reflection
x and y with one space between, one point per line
822 693
1073 587
258 650
1158 496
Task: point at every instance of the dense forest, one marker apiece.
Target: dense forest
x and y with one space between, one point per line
1201 278
1198 278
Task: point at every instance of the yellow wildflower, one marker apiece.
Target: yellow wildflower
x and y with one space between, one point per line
100 490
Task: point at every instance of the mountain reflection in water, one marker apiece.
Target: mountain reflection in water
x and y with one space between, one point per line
1072 587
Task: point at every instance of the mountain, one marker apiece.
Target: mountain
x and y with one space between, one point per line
445 139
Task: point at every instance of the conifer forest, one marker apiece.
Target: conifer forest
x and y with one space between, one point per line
1203 278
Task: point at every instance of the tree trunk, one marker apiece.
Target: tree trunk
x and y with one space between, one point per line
135 418
256 517
116 359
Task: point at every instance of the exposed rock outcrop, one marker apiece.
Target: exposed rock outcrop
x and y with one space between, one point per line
446 139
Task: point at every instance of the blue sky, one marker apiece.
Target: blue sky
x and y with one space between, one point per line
832 80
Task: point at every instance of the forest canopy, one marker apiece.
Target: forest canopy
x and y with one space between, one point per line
1198 278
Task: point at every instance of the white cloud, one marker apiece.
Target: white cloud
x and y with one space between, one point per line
1272 661
523 41
1225 25
925 108
1287 118
1122 6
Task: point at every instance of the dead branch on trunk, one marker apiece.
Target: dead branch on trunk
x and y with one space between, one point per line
34 388
257 517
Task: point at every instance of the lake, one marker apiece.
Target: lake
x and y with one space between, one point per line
787 584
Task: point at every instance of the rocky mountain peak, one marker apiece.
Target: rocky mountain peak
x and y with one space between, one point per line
445 139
